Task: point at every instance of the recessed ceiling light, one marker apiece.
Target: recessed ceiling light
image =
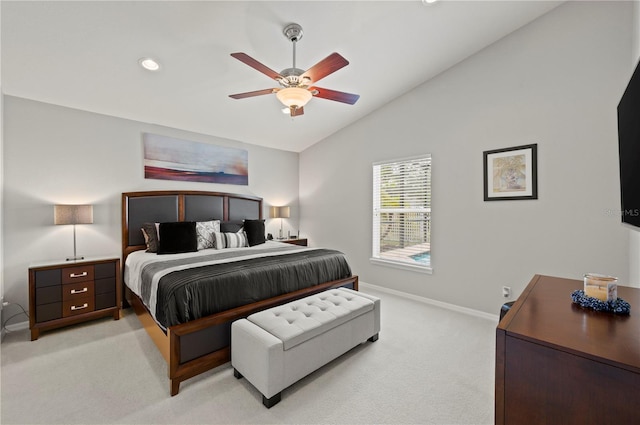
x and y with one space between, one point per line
149 64
425 2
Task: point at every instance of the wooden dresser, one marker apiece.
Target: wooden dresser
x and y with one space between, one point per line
64 293
557 363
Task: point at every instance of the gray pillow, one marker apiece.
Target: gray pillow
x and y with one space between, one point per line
150 233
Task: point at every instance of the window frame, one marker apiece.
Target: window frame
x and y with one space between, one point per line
377 210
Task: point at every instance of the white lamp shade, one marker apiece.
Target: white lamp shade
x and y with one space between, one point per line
294 96
73 214
280 212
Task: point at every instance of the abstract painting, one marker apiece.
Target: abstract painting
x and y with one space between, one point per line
166 158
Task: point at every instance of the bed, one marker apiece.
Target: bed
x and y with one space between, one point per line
194 336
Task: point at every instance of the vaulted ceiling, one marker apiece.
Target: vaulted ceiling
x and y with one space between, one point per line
85 55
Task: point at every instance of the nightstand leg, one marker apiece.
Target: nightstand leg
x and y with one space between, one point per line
35 333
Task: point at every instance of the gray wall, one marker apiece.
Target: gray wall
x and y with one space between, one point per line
55 155
555 82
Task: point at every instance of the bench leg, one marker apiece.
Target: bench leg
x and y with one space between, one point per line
373 338
237 374
270 402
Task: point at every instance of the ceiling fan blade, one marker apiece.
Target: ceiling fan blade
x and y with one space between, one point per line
338 96
245 58
326 66
252 93
297 111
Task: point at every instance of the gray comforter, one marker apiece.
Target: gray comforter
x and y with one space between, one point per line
201 288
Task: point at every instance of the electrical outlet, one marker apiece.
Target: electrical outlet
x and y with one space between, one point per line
506 291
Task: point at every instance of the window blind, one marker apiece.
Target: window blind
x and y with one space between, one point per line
402 211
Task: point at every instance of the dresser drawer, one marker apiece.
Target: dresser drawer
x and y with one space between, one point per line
73 291
77 274
78 306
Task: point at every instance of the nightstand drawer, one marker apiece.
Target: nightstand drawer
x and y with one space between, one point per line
48 295
73 291
77 306
77 274
105 285
105 300
48 312
48 278
105 270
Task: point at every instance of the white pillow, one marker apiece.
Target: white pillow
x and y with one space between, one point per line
205 231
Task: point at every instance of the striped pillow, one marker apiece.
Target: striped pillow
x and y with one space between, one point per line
230 240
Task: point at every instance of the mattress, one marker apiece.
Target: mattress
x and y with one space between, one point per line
178 288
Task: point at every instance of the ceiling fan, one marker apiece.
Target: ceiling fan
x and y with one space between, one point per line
297 86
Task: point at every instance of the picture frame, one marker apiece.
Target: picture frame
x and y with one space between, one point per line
511 173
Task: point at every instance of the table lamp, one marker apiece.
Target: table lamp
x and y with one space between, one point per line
280 212
73 214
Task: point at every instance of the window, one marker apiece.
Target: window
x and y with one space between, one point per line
402 213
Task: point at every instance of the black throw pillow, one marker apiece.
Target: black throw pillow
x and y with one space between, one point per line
230 226
177 237
255 231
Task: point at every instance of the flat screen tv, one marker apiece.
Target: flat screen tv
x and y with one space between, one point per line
629 150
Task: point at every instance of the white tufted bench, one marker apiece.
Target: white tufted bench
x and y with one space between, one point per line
275 348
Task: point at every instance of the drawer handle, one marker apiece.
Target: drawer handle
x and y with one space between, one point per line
76 307
83 274
79 291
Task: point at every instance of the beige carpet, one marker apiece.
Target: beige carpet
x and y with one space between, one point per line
430 366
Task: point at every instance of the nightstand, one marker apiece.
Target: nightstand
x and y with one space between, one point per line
65 293
294 241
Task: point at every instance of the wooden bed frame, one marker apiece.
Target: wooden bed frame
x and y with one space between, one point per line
203 344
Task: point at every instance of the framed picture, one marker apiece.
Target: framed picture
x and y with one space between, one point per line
511 173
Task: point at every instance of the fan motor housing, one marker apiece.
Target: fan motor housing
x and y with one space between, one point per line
292 78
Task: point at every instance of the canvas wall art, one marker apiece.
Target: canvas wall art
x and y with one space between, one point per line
166 158
511 173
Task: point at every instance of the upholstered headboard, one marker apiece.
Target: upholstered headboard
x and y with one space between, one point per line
183 205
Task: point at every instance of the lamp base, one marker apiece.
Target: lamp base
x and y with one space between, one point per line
75 258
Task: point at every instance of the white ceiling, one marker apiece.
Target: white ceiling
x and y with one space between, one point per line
84 54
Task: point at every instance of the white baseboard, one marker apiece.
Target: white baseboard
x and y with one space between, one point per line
18 326
459 309
13 328
477 313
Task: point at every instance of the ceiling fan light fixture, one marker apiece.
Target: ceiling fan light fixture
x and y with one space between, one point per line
294 97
